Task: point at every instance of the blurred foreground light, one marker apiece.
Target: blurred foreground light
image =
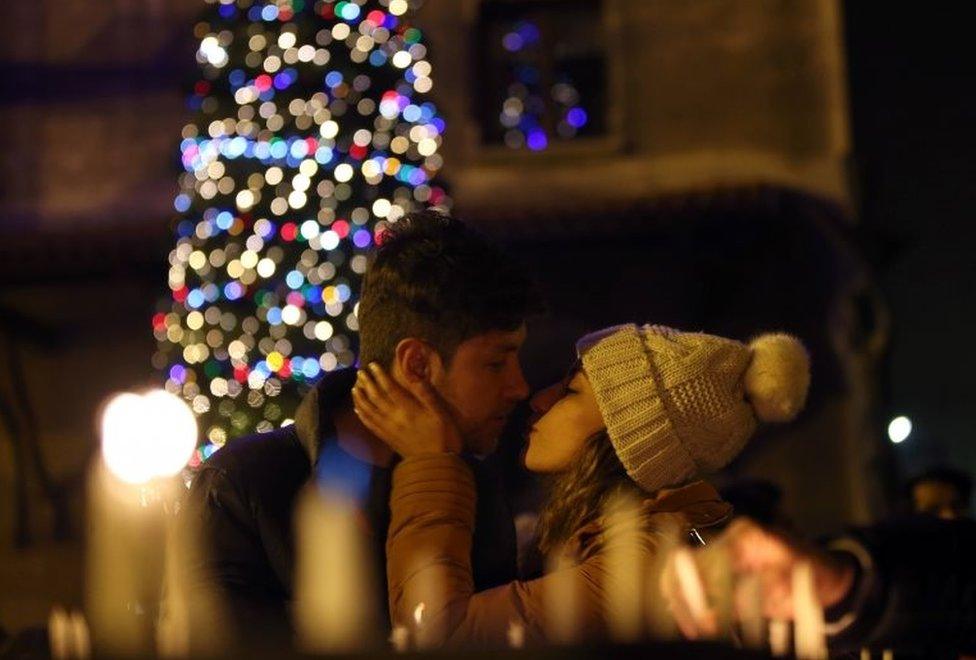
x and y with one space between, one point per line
899 429
147 435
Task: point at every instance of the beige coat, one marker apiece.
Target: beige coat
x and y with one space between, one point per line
429 570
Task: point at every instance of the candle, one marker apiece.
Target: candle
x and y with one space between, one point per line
625 563
146 440
515 635
749 605
334 611
58 634
809 630
68 634
429 614
147 437
400 639
79 635
561 599
661 588
715 567
418 614
691 588
779 637
190 602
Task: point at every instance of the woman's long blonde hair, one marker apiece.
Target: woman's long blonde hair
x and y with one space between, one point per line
578 496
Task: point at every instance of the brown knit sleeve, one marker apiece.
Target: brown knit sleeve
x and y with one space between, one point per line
429 563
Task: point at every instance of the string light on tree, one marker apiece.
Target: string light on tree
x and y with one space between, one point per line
312 133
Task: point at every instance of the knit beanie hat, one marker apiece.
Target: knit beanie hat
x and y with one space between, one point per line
677 404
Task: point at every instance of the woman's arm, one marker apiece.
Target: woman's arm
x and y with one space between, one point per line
428 552
428 548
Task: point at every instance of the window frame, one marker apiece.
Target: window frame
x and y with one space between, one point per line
611 142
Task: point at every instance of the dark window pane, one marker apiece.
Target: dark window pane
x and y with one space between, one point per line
542 72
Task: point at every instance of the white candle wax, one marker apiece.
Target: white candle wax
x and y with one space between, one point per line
809 633
625 562
561 600
334 609
400 639
779 637
515 635
690 584
146 440
749 605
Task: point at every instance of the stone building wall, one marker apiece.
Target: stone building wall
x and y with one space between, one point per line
702 94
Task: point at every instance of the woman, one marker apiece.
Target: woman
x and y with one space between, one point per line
645 412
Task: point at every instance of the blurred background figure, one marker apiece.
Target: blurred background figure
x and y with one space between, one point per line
758 499
908 584
942 491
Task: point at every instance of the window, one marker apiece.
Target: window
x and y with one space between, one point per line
542 72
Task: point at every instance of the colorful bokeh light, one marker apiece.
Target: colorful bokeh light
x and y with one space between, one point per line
532 114
311 134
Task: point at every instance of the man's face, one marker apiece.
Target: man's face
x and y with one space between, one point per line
938 498
482 385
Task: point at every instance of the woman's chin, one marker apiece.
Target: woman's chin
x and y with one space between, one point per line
530 461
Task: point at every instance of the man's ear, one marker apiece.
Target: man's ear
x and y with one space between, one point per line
413 360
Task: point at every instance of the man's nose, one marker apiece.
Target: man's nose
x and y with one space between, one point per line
519 389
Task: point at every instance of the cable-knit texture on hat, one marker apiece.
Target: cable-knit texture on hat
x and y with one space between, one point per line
673 402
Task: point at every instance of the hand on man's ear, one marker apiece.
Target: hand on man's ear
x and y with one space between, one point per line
411 419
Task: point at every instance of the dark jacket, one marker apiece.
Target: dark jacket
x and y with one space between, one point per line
915 589
244 498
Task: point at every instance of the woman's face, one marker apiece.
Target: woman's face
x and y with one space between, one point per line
566 414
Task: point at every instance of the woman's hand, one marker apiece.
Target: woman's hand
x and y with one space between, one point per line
413 422
771 557
765 561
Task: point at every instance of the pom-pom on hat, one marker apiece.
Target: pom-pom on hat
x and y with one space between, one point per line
677 404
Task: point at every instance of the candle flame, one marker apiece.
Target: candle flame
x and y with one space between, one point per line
400 639
516 635
147 435
418 613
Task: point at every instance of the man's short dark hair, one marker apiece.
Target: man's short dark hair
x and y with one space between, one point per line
434 278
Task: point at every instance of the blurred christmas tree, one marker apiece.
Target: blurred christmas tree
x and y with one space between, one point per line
311 134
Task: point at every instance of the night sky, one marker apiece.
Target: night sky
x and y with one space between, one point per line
912 95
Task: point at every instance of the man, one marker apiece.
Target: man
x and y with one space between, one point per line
438 302
943 492
908 584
